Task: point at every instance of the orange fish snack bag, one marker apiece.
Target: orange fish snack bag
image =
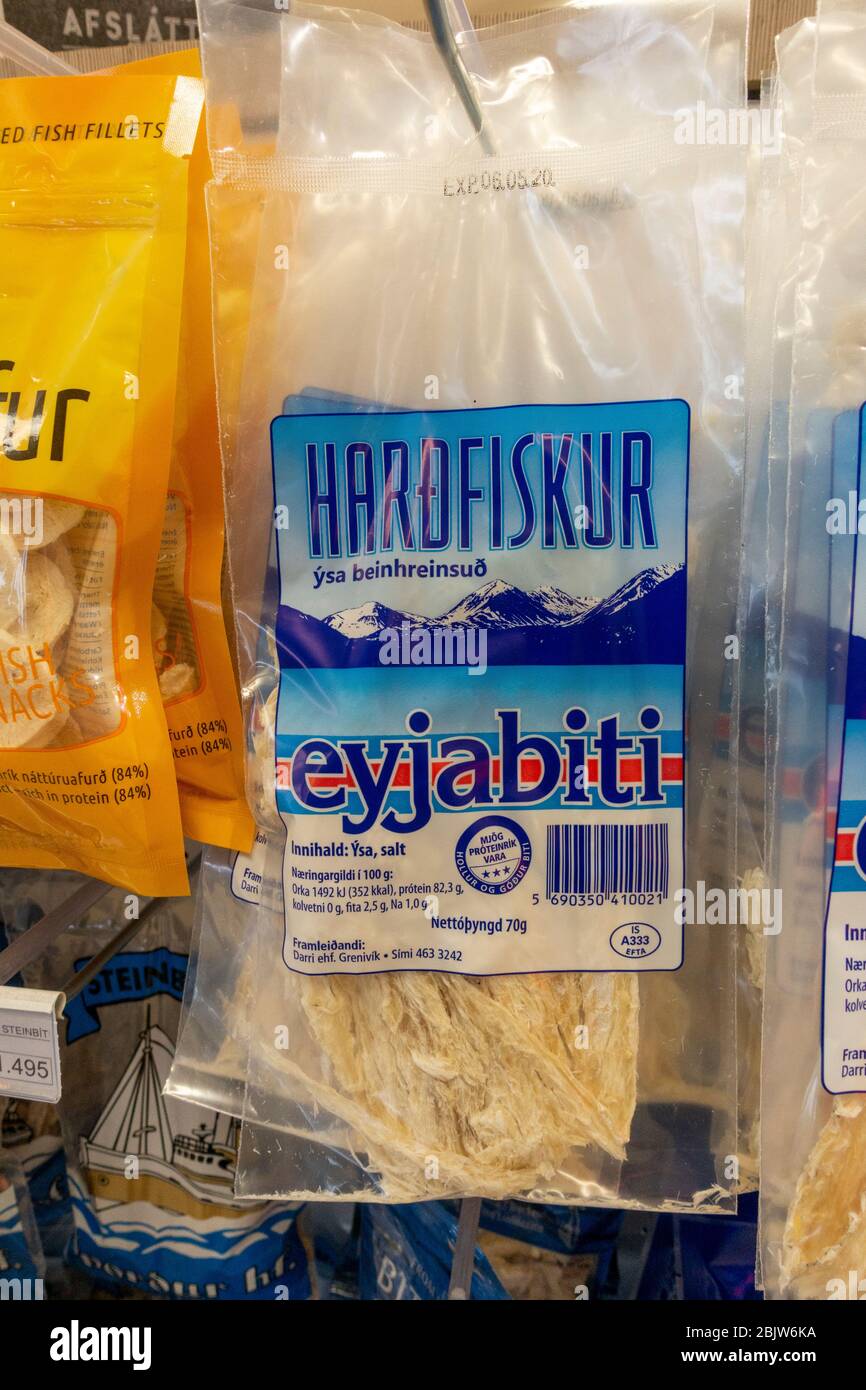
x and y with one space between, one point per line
93 189
191 648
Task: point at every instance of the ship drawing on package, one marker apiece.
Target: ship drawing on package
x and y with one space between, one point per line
480 723
151 1177
187 1173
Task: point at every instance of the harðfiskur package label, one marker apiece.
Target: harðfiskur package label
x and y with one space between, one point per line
844 1007
479 749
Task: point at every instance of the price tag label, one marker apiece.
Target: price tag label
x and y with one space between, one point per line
29 1043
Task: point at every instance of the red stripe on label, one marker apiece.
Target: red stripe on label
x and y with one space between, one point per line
530 772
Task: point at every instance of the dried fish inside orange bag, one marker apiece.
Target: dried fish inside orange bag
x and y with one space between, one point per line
93 184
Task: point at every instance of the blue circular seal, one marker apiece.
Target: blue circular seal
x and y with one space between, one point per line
494 854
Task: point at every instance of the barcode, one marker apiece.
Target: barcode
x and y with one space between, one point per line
607 859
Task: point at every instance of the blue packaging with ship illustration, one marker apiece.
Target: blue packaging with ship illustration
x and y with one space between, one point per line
407 1251
30 1132
22 1265
524 1251
151 1177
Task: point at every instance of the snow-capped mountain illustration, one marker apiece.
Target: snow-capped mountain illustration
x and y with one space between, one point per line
562 605
641 621
370 618
497 604
635 588
494 604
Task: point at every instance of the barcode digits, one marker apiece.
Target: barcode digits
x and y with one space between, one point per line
607 859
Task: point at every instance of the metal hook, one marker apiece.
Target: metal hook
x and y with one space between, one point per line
443 37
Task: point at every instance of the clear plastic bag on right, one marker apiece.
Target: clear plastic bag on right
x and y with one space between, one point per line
813 1148
773 250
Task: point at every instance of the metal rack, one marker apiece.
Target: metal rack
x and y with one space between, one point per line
38 938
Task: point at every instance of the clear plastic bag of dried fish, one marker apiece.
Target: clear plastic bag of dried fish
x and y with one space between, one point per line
485 309
813 1158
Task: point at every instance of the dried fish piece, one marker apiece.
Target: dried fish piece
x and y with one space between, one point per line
487 1077
47 601
10 563
178 677
37 602
825 1234
172 626
261 762
177 680
37 599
